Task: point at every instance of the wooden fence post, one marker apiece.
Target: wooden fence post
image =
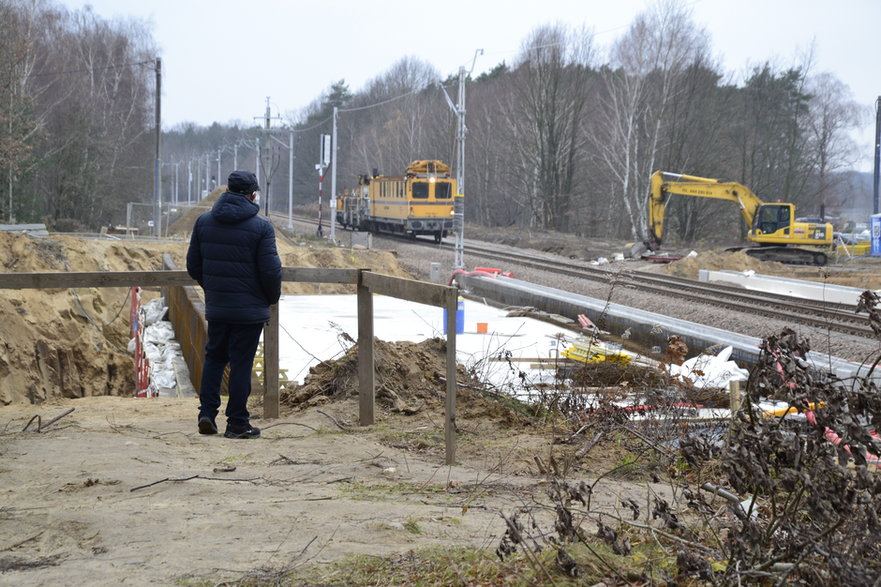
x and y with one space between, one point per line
734 399
452 303
366 376
270 364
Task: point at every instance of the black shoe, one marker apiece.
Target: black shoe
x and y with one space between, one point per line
249 432
207 425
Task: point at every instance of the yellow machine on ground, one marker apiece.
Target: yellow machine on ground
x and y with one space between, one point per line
772 227
595 351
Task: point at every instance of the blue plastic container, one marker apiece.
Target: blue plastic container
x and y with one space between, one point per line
460 317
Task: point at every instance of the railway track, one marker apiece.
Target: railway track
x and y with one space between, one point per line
811 313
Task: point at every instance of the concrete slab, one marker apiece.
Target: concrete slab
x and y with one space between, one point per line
808 290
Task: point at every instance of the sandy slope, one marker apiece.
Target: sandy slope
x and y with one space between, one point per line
72 343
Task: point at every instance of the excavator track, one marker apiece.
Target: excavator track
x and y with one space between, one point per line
787 255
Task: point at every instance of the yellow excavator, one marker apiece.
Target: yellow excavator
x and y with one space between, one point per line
772 227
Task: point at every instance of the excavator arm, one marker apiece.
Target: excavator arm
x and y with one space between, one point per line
665 184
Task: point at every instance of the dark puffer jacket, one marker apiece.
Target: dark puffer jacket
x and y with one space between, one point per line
232 255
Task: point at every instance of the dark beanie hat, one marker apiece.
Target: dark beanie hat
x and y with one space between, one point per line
242 182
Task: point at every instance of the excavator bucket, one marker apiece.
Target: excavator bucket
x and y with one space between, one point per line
635 250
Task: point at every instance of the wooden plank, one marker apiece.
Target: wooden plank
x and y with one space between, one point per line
450 407
409 289
270 364
366 372
319 275
94 279
155 278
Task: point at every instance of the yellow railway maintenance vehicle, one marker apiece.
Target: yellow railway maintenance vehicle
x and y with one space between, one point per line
773 228
420 202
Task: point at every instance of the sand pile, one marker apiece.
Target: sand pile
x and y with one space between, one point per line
714 261
68 343
410 378
859 272
183 224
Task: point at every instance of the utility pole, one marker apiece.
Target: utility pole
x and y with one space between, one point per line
267 154
291 181
198 184
290 148
257 164
459 197
333 192
197 181
264 158
324 159
157 177
876 197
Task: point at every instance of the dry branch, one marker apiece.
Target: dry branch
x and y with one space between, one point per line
170 479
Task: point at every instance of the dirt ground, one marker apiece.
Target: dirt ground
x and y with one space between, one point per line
125 491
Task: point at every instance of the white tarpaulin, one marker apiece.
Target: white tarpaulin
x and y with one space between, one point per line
710 370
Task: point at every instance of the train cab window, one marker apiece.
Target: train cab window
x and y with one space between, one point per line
420 190
442 191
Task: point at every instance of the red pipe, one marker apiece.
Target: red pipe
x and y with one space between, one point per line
479 271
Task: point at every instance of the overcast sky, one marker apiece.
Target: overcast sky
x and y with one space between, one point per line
221 59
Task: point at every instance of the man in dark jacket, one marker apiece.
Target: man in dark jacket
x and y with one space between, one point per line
232 255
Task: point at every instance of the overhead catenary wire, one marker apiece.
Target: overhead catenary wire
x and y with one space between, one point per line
410 93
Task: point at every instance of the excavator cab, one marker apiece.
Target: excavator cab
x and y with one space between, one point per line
770 218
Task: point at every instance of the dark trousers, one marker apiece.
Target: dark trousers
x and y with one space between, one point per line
235 344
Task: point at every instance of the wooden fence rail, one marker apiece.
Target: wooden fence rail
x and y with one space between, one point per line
367 283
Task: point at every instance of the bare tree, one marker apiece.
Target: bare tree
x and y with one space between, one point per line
20 120
550 78
649 61
76 99
832 115
394 117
